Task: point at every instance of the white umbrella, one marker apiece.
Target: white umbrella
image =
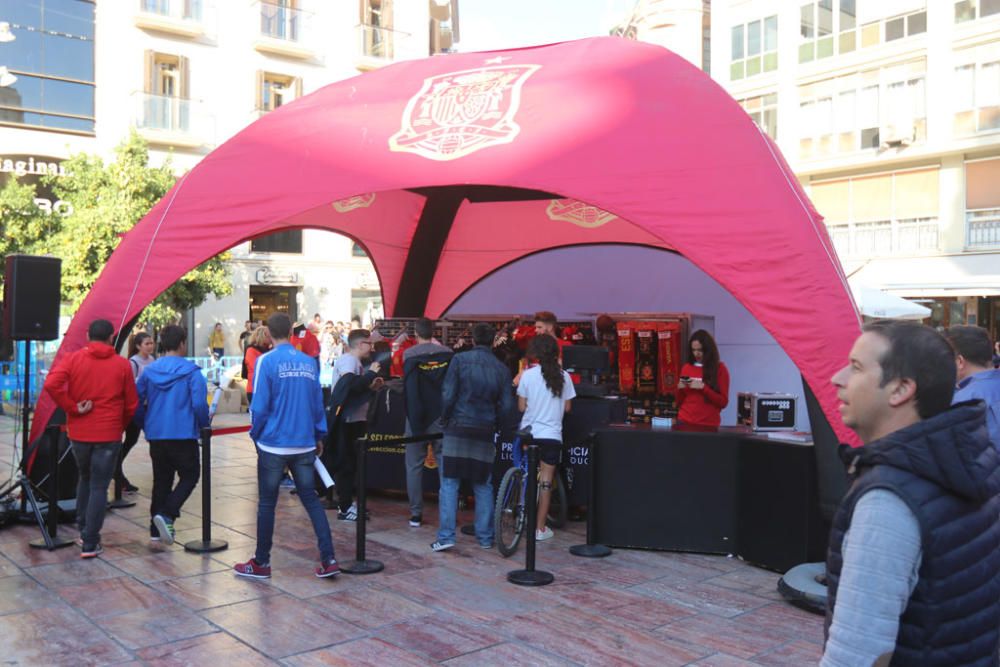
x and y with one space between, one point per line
874 302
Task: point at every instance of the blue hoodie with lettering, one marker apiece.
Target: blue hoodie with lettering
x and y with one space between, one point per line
173 399
287 408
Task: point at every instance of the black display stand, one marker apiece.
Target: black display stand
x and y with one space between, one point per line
723 491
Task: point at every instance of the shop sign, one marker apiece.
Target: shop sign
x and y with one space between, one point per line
29 169
269 276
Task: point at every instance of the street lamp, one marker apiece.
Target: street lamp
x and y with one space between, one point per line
5 34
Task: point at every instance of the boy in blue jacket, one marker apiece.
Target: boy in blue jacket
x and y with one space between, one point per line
173 408
288 424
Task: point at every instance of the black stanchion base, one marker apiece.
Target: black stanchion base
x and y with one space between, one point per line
590 550
530 577
202 547
362 567
468 529
57 543
121 503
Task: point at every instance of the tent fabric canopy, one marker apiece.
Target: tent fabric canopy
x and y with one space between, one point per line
447 168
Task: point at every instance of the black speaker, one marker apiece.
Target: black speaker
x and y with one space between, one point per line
31 297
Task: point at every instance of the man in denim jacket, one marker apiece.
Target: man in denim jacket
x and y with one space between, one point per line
477 399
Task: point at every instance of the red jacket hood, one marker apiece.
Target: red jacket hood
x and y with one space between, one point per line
99 350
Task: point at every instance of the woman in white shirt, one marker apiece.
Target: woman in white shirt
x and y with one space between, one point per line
544 395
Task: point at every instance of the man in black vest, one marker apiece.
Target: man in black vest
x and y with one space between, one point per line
913 571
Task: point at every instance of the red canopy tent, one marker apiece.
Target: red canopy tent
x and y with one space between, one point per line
447 168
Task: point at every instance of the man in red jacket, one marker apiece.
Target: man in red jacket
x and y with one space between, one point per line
94 386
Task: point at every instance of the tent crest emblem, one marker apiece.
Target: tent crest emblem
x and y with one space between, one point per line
459 113
351 203
579 213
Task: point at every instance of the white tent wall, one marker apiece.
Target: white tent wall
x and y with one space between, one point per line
578 280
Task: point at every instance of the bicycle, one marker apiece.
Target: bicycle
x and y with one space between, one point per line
509 514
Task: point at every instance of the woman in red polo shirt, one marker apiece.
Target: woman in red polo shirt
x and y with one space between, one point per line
704 386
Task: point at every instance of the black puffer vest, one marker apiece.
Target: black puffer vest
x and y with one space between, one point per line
948 473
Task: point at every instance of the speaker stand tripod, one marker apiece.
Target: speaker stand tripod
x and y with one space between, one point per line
50 538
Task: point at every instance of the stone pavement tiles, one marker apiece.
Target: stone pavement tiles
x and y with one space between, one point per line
147 603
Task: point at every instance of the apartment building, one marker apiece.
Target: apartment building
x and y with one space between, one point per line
889 113
76 75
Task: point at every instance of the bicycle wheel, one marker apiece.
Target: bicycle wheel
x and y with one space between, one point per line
558 505
508 516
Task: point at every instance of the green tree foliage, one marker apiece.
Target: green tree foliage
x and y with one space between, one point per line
23 227
107 200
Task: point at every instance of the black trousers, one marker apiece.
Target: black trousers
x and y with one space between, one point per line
170 458
132 432
347 462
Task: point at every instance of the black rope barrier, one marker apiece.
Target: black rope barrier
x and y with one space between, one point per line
361 563
591 549
206 544
529 576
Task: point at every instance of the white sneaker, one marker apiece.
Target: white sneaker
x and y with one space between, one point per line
542 535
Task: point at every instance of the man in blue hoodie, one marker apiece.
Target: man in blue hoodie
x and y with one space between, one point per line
288 424
173 408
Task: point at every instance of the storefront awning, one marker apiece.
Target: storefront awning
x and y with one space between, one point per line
948 275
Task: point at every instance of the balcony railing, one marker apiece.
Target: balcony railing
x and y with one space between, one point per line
885 238
181 10
280 22
381 44
172 120
983 228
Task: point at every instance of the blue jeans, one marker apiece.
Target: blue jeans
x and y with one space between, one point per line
270 471
448 508
96 462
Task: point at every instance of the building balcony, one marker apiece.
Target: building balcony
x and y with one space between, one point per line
983 229
185 18
284 32
886 238
378 46
172 121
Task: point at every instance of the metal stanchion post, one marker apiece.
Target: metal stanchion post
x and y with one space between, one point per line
529 576
50 539
361 564
591 549
120 501
206 543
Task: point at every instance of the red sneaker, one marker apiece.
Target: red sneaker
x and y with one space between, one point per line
252 569
327 570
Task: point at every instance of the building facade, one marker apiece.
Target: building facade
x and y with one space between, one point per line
77 75
889 113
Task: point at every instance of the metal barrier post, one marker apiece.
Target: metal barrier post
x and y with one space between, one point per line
50 538
206 543
529 576
360 564
591 549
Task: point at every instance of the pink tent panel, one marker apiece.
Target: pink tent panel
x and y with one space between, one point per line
626 127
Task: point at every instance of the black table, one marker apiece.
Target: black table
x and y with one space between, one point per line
726 491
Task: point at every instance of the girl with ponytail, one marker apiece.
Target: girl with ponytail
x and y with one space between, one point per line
543 395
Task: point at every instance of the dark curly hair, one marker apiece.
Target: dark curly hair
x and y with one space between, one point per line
545 349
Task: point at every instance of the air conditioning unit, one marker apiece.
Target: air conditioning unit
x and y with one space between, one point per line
897 136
